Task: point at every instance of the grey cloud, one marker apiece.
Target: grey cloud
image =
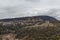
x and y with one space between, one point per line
20 8
33 0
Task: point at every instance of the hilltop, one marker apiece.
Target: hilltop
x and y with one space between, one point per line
49 18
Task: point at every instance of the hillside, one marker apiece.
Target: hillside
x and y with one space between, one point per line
49 18
32 28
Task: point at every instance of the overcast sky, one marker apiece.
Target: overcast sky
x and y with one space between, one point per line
22 8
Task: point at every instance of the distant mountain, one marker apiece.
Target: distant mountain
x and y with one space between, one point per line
47 18
44 18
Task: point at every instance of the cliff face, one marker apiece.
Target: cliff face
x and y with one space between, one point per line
31 28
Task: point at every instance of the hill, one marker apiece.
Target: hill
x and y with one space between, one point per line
49 18
31 28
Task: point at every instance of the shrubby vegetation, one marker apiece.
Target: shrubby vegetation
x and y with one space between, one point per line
26 30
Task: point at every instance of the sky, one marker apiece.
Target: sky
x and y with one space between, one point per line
22 8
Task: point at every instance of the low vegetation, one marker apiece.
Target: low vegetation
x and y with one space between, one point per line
31 29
